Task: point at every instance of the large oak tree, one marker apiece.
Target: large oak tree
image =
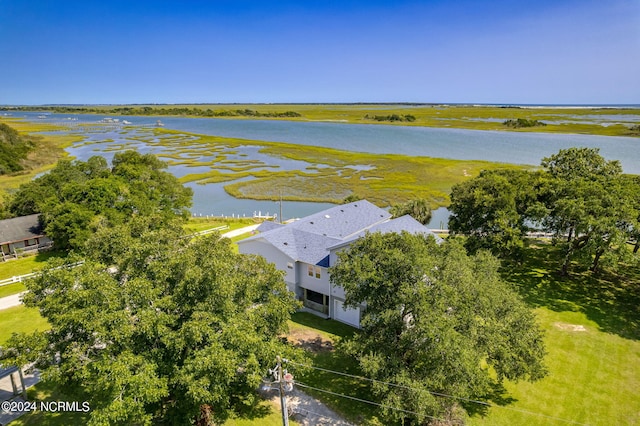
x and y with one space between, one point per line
75 198
157 330
437 321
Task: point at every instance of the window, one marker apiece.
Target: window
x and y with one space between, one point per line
317 272
289 265
310 270
315 297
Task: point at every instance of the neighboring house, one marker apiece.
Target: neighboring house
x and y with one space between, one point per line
306 248
22 234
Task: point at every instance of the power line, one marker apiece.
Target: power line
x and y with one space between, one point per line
391 384
487 404
366 401
299 409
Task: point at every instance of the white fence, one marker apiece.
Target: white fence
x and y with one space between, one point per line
20 278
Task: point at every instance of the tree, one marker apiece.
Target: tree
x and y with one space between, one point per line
436 321
13 149
417 208
174 333
589 204
75 198
351 198
496 210
583 199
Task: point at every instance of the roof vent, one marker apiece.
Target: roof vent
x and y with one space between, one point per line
285 243
311 223
327 216
342 211
355 205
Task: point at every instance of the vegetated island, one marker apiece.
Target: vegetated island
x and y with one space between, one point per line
596 120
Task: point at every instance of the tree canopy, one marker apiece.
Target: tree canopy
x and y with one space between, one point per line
417 208
76 197
13 149
437 321
172 332
585 201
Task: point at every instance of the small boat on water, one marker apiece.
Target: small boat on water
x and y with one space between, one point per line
159 123
126 122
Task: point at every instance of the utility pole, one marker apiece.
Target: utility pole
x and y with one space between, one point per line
283 398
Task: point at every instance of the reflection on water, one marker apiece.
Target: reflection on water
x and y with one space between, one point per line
509 147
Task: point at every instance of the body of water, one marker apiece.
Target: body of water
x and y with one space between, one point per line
507 147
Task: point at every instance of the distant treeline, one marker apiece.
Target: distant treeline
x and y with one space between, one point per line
392 117
147 110
523 122
13 149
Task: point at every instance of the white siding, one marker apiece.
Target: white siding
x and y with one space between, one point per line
272 255
320 285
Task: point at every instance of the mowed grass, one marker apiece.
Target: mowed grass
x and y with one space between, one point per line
20 319
199 224
27 264
593 379
592 335
309 327
592 325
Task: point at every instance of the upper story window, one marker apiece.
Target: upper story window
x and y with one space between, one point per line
314 271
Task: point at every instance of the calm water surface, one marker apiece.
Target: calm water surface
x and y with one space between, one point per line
507 147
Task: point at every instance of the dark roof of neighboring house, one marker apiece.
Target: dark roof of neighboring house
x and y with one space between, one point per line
20 229
310 238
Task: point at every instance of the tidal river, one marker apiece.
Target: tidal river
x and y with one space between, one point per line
211 199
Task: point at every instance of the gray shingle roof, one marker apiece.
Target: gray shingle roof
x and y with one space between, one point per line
20 229
268 225
299 245
403 223
307 239
344 220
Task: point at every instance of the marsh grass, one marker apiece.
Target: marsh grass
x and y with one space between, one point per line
472 117
48 150
331 174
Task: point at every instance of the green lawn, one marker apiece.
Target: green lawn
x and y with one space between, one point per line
198 224
26 265
592 328
20 319
9 289
265 414
306 325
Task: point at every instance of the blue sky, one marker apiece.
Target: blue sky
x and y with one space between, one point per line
549 52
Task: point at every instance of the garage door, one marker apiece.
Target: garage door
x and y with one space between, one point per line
349 316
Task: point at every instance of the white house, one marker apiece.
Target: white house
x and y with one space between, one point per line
306 248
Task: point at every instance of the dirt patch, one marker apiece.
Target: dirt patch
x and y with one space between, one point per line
310 340
569 327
